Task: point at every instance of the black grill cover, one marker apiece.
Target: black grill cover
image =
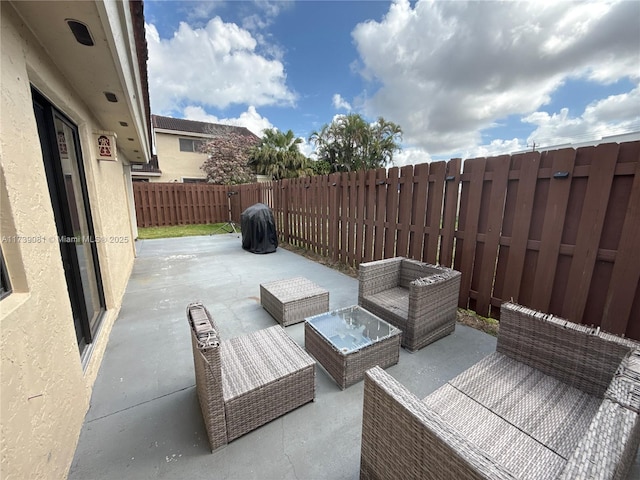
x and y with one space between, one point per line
258 229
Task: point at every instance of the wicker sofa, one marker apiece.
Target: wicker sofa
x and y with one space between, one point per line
556 400
247 381
418 298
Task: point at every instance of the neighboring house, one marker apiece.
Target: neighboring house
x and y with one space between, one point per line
177 144
75 116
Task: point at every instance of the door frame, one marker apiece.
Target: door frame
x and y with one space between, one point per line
85 330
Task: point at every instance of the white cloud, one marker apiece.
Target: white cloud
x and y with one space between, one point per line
267 11
479 62
216 66
306 148
340 103
411 156
610 116
250 119
495 148
196 11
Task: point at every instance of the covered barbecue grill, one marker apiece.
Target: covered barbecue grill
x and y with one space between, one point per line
258 229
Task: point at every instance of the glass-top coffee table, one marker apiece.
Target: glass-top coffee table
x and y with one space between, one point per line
349 341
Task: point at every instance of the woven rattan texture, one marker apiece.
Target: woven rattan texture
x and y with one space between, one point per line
554 413
347 369
515 420
418 298
290 301
247 381
401 438
207 363
575 354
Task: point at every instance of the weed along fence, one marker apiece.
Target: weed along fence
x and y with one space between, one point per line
558 231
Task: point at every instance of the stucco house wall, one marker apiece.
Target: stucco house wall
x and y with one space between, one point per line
175 164
45 383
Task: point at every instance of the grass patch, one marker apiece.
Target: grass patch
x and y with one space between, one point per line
149 233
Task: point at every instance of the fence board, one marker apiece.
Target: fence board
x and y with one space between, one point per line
603 162
419 210
516 226
435 202
554 217
345 217
468 225
165 204
566 246
361 180
391 214
381 202
370 198
495 209
404 210
334 215
625 278
450 212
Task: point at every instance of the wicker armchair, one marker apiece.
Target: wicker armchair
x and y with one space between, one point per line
556 400
245 382
418 298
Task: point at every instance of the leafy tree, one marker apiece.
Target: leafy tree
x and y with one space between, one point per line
278 156
228 159
321 167
350 143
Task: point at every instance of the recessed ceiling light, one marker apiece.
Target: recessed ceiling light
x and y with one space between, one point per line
130 139
111 97
136 151
81 32
124 124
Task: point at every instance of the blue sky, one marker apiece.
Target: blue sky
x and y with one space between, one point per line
462 79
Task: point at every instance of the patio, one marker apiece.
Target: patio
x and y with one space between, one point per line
145 421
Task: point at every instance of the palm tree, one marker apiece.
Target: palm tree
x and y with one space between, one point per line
350 143
278 157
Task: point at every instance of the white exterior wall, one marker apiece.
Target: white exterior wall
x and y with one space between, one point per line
45 391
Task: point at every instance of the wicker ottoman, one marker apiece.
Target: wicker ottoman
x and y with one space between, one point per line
290 301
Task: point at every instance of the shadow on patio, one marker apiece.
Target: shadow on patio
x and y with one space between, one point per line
145 421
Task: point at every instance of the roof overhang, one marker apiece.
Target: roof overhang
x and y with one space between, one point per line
110 65
137 173
185 134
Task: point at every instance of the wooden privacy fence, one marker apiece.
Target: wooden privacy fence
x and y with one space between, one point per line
558 231
164 204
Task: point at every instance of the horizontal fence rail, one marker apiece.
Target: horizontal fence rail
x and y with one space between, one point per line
164 204
558 231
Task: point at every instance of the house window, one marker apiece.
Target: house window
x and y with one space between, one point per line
190 145
194 180
5 284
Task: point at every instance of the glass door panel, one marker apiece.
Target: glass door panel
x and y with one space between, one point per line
82 237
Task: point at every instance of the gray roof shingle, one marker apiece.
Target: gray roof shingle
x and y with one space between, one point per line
182 125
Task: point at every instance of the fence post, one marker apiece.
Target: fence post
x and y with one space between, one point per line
450 211
335 215
285 210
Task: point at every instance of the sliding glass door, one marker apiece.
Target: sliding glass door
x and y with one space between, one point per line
68 190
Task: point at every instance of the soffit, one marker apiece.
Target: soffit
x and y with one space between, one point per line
93 70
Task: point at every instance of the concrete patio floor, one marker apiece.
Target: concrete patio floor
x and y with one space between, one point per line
145 422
